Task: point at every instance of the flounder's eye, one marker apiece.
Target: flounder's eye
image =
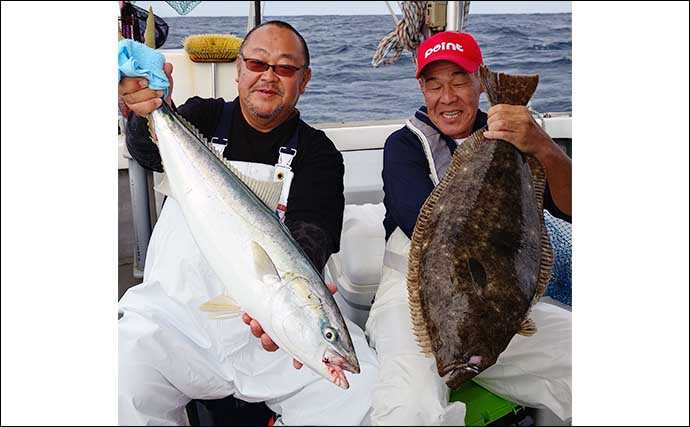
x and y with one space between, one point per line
330 334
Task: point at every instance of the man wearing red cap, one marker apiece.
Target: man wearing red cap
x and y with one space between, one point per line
533 371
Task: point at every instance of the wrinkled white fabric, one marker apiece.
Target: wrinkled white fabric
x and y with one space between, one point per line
362 243
536 371
409 390
533 371
170 352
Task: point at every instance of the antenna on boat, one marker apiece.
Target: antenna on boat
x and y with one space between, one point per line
255 15
456 15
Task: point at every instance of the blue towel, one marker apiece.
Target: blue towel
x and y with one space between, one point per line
135 59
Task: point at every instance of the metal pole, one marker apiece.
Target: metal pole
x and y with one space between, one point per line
453 16
250 16
257 13
213 80
390 9
138 187
456 15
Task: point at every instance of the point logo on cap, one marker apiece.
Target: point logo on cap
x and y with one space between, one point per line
443 46
460 48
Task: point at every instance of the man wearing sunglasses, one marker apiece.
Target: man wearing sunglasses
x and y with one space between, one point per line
169 352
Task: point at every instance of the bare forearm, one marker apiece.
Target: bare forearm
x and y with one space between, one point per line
558 167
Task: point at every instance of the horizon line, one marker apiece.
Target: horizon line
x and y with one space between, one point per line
356 14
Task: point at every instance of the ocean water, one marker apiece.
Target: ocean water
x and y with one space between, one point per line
345 87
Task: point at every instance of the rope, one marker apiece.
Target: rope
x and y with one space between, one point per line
407 34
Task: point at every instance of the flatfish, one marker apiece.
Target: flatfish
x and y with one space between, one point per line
480 255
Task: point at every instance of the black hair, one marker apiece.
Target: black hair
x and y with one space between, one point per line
284 25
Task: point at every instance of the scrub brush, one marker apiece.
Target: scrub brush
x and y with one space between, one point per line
212 48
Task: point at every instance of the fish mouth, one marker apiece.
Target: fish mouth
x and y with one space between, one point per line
337 365
455 375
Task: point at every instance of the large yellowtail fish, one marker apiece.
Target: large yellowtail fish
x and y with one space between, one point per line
265 272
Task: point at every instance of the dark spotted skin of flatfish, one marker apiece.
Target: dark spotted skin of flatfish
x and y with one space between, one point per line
480 255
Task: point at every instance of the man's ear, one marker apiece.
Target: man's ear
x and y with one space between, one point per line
421 83
305 80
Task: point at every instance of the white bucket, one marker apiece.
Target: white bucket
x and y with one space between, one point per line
356 269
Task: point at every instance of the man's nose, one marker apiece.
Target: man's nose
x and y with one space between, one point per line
269 74
448 95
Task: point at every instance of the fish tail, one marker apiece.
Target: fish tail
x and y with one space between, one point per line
510 89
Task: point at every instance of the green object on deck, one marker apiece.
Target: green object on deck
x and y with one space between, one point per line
483 407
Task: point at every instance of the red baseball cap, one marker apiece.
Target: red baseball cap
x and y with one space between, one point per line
460 48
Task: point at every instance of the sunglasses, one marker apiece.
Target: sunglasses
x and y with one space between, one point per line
282 70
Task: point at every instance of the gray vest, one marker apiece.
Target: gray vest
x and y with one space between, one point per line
435 147
439 156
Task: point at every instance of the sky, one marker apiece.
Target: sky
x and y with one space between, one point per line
287 8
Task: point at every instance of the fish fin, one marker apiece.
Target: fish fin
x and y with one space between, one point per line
221 316
152 132
193 129
527 328
546 259
419 323
266 191
545 264
300 288
163 186
221 307
263 265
